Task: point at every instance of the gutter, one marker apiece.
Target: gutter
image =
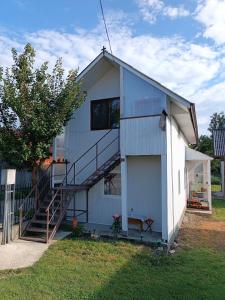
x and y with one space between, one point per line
194 120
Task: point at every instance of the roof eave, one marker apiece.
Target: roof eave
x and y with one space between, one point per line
194 120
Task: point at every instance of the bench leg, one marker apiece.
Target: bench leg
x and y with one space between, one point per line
149 228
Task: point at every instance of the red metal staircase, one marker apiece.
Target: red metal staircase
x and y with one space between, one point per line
52 201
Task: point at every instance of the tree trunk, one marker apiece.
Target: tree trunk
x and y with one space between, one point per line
34 174
35 178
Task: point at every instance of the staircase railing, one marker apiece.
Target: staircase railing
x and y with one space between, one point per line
61 193
39 189
98 152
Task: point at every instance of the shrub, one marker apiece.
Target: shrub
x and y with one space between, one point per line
215 180
78 231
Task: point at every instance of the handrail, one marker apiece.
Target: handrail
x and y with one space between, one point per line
93 159
93 145
34 187
73 164
21 217
72 167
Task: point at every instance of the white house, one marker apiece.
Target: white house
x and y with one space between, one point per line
148 128
127 148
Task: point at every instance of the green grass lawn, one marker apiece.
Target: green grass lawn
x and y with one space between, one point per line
218 209
216 187
87 269
82 269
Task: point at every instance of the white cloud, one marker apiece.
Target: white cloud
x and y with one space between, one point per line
175 12
211 14
185 67
151 9
6 44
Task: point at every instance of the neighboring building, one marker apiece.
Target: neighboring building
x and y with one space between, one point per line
127 148
219 152
23 176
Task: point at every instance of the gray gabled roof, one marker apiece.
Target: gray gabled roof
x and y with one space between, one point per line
153 82
219 142
191 154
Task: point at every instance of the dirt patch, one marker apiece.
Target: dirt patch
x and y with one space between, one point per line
201 231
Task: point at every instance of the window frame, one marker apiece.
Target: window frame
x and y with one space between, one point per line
92 102
112 195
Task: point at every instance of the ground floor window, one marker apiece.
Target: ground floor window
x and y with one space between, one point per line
112 184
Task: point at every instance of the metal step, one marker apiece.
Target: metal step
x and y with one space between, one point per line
33 239
52 207
36 229
42 222
104 169
44 214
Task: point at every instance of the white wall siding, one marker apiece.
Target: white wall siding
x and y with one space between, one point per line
140 97
144 188
101 207
176 198
79 137
142 136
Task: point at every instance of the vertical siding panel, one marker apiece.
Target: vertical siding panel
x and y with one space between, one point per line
142 136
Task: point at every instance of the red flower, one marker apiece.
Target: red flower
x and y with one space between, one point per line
116 217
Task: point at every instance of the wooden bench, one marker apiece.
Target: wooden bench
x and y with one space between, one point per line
140 221
136 221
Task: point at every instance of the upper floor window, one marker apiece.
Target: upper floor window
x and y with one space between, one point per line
105 114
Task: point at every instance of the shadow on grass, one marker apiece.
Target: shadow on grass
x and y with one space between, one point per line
218 209
94 270
193 274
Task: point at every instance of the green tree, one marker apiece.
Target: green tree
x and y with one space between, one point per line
217 120
205 144
35 105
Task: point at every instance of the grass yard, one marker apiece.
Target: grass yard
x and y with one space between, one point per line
94 270
218 209
216 187
81 269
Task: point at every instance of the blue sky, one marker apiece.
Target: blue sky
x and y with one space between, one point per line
179 43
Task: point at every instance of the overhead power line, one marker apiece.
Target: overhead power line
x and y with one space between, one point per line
106 30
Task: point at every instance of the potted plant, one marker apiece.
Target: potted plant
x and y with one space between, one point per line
116 225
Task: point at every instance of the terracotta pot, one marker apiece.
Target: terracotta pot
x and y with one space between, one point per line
74 222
